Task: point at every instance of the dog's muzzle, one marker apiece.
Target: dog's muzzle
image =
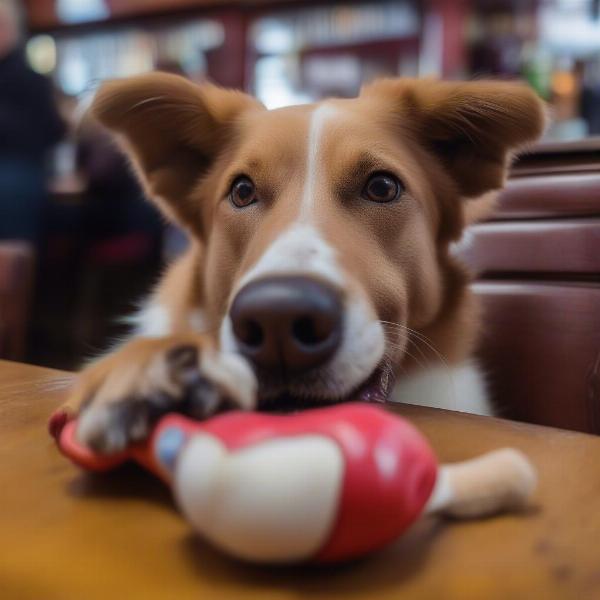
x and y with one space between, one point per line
287 324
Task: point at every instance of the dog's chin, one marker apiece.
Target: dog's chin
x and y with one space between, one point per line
291 398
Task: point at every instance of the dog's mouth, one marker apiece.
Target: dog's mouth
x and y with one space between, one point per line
376 389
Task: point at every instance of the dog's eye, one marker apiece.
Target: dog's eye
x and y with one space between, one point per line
382 187
243 192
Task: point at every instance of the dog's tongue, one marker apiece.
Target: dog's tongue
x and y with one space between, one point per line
376 389
372 392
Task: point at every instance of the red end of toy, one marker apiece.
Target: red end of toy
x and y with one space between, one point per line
57 422
62 427
386 485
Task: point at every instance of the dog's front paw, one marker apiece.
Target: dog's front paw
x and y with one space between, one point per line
121 397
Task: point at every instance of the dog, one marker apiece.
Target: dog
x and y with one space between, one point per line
320 265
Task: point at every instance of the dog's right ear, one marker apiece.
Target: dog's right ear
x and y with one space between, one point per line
172 129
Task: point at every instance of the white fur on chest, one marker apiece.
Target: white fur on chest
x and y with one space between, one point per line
461 388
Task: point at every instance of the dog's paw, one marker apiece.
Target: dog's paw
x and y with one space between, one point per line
122 396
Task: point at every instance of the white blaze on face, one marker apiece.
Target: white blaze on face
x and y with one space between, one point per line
302 250
314 164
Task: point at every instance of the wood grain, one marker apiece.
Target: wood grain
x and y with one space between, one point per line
66 534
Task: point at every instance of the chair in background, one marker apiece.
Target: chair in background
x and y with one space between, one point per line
16 281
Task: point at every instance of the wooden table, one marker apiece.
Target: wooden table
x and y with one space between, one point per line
66 534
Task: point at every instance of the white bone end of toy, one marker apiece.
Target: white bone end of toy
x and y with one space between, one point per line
502 480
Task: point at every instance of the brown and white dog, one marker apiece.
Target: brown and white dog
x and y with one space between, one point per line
320 247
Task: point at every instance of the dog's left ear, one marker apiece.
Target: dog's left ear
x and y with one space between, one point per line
474 127
172 130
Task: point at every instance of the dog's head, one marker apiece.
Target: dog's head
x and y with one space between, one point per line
325 228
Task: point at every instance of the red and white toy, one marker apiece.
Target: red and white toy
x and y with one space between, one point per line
322 485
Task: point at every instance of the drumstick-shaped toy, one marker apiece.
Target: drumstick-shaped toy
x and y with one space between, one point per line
321 485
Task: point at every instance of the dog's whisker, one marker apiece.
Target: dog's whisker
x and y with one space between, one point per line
403 349
410 355
419 336
422 338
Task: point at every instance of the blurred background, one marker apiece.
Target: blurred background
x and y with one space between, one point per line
78 243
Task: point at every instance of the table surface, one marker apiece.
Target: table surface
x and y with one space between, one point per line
68 534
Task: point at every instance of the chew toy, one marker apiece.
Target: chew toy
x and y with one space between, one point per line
322 485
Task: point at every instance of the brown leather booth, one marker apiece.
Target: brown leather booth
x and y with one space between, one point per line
538 265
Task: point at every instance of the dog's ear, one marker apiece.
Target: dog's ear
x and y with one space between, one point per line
172 129
474 127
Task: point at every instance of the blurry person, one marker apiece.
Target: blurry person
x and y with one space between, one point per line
122 234
29 126
114 204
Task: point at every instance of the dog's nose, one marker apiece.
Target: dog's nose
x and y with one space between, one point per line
291 324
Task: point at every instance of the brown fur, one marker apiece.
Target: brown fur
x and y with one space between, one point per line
448 142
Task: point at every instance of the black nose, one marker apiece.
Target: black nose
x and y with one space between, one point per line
291 324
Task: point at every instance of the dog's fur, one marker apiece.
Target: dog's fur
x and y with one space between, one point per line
406 299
